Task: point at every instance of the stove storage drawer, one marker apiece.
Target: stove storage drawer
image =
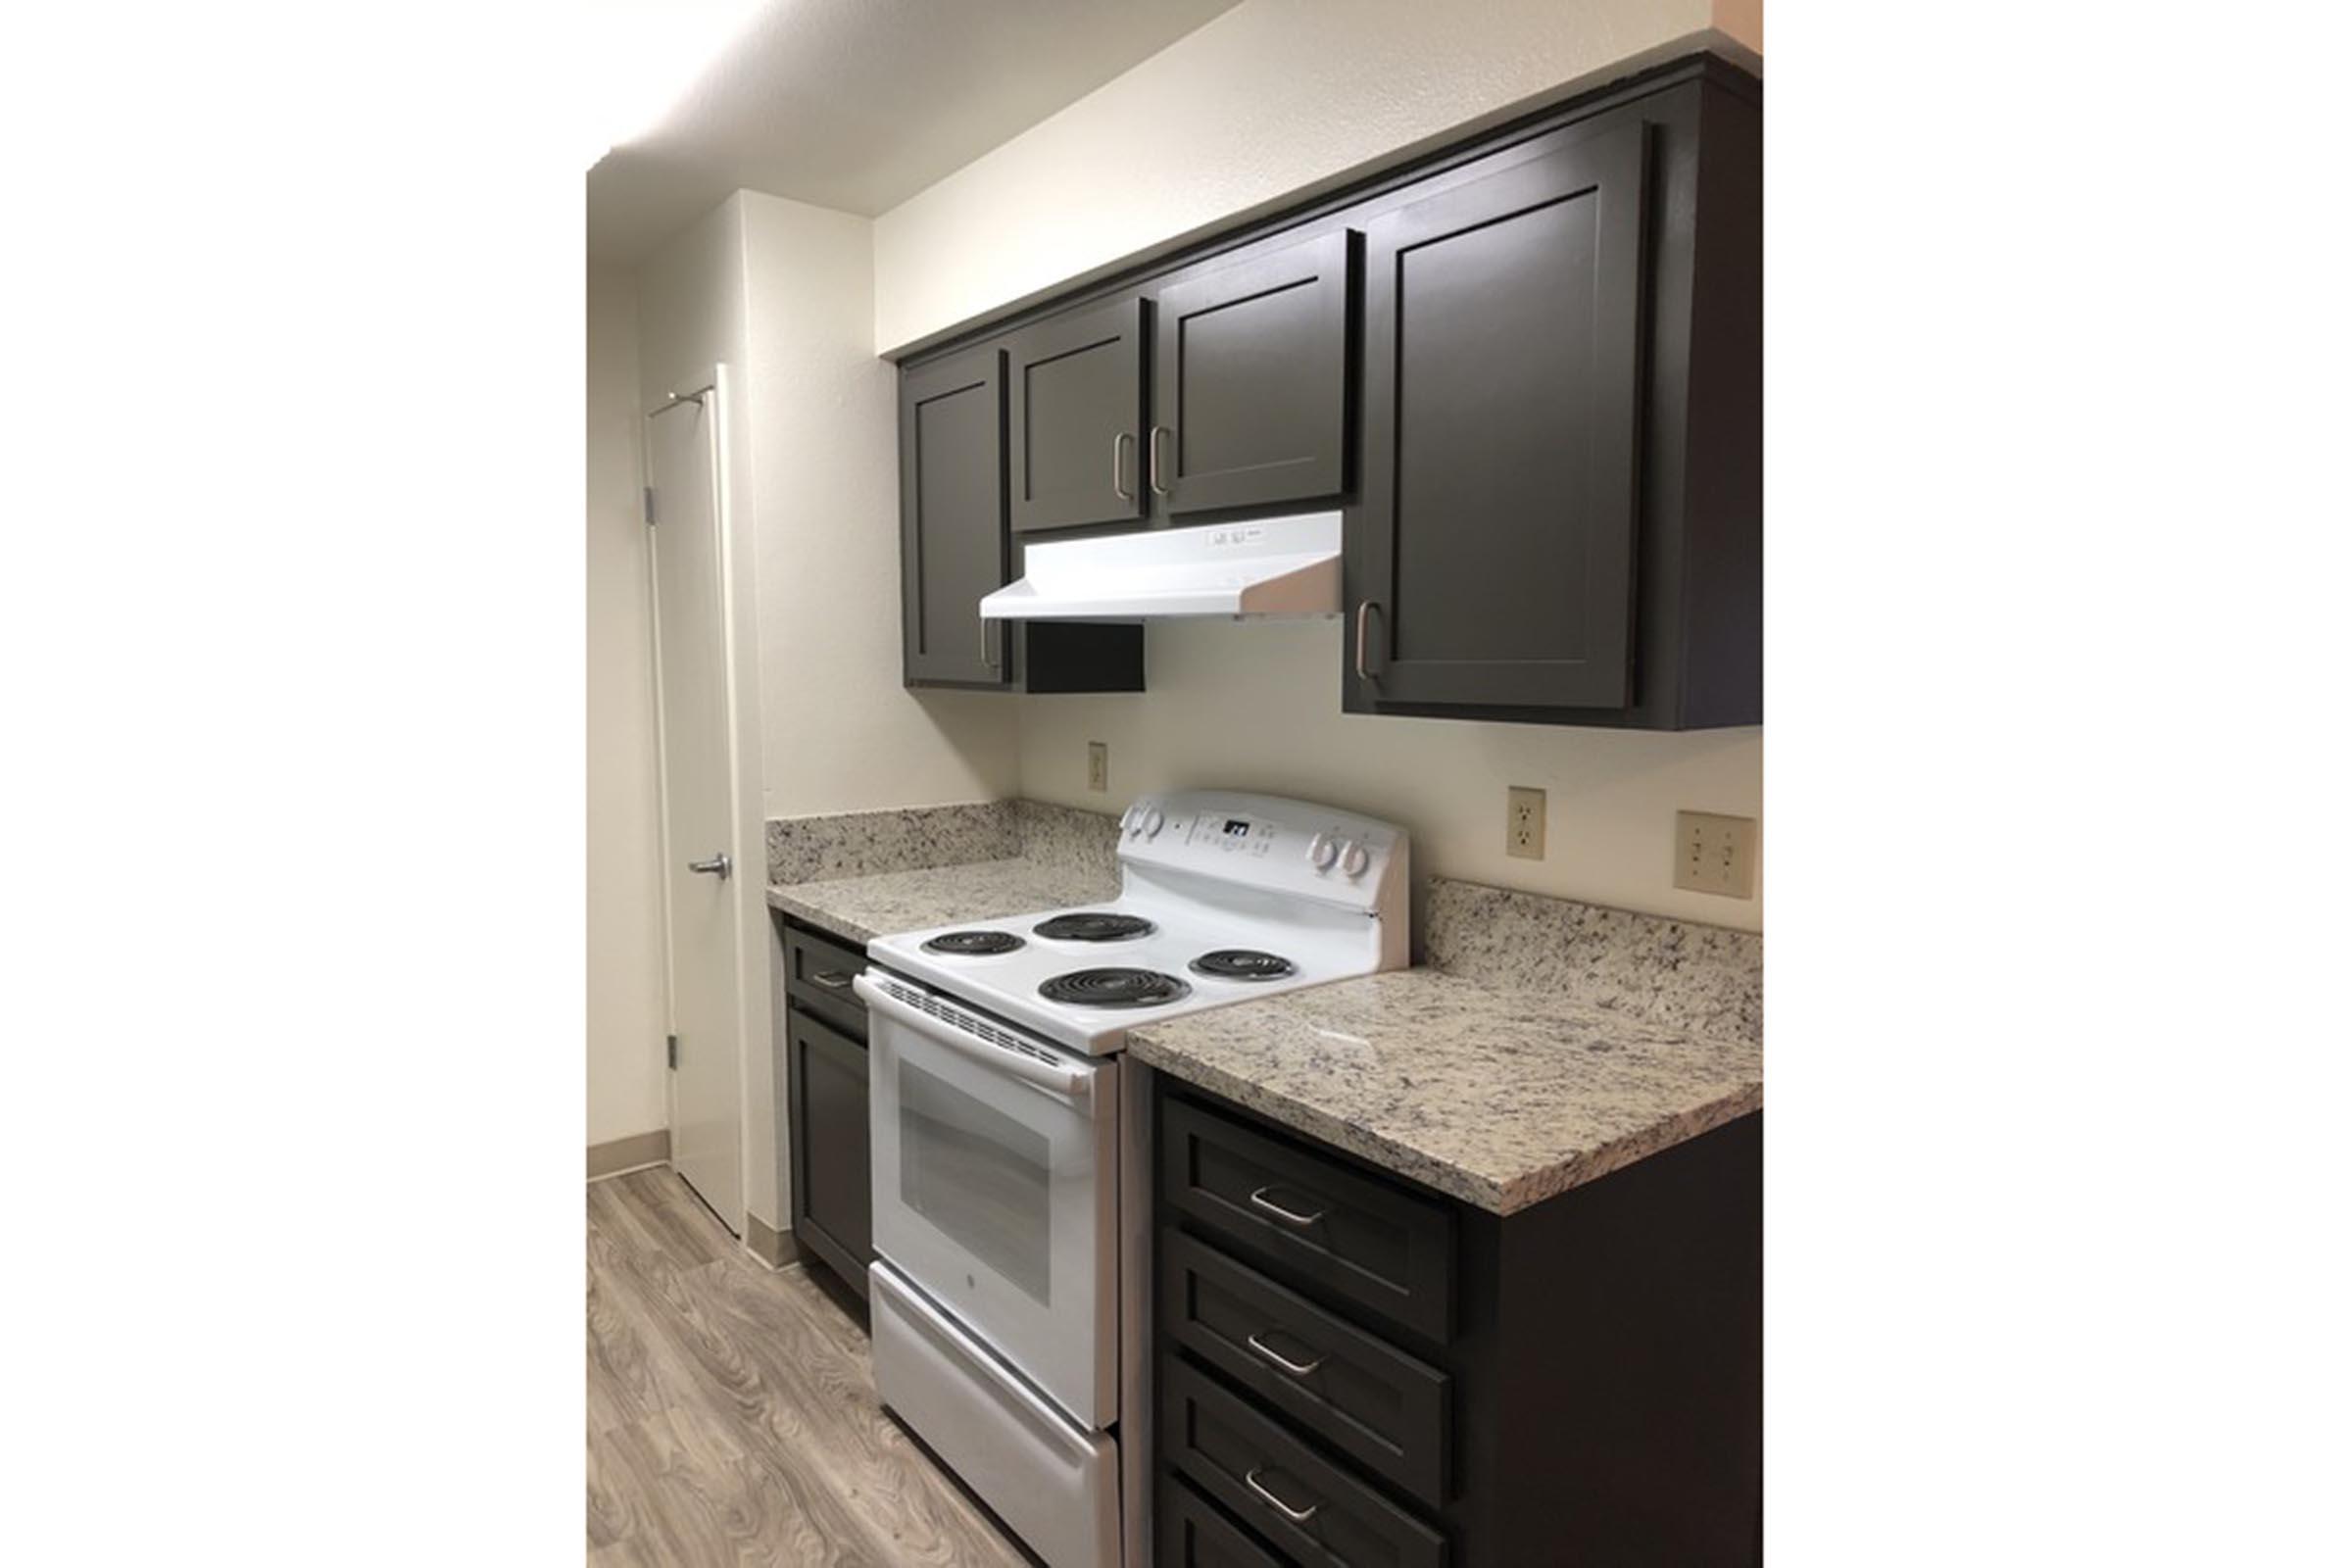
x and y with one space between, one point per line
1309 1507
1190 1532
1372 1245
817 974
1389 1411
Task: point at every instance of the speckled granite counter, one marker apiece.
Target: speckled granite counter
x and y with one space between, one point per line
1508 1082
862 875
1499 1098
863 907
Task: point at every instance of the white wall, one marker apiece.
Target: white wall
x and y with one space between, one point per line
1263 101
1273 96
840 731
1256 706
625 1091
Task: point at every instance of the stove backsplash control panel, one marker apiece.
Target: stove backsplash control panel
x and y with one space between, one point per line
1266 841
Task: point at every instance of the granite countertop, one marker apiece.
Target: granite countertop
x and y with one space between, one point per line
861 909
1498 1096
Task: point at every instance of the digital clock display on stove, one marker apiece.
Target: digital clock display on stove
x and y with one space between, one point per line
1237 827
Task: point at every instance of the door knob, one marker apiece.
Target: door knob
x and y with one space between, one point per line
718 865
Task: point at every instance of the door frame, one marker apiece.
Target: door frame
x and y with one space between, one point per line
747 847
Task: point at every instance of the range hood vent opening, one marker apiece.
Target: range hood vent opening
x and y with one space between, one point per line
1273 566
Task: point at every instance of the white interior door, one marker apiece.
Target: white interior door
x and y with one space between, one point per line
698 802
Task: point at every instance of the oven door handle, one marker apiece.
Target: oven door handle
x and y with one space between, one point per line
1074 1084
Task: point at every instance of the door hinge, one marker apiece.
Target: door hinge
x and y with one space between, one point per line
649 506
673 1052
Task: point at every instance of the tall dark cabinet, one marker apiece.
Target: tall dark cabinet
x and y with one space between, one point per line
1493 544
1561 513
952 543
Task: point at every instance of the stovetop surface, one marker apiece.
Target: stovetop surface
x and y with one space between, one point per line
1208 880
1006 983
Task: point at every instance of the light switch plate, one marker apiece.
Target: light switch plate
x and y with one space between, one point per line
1523 824
1715 854
1098 767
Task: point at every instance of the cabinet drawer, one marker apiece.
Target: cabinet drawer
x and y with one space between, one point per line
1276 1484
1370 1401
818 972
1377 1247
1189 1532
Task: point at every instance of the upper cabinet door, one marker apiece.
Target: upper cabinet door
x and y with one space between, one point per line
951 541
1494 550
1251 402
1077 419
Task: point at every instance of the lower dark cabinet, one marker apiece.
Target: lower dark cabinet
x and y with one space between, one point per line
1594 1395
832 1177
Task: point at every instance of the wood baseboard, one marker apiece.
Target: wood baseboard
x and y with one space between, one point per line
633 1152
768 1244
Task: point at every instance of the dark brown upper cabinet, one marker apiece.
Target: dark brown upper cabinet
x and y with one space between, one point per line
952 547
955 548
1502 364
1528 367
1078 418
1250 404
1559 518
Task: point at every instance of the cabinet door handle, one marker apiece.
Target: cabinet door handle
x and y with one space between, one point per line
831 979
988 657
1118 464
1158 431
1297 1516
1362 612
1289 1217
718 865
1296 1369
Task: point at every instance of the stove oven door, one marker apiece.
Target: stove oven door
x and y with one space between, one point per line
996 1187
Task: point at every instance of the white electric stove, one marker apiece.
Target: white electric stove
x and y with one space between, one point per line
998 1140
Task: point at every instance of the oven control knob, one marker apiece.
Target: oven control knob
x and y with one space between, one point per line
1127 821
1356 860
1322 850
1152 822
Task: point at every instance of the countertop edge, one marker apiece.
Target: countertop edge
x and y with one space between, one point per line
779 897
1504 1197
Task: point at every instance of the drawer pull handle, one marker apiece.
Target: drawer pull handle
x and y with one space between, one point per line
1297 1516
1296 1369
1289 1217
831 979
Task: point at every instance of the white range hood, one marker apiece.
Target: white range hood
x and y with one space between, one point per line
1275 566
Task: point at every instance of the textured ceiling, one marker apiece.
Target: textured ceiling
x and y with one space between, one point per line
858 104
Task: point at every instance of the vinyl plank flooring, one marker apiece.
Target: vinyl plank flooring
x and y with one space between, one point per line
732 1411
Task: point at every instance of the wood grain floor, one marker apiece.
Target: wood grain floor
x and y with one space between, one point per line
731 1410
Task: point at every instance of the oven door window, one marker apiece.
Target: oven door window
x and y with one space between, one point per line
980 1177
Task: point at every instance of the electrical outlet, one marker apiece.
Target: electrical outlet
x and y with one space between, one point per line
1098 767
1715 854
1523 824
